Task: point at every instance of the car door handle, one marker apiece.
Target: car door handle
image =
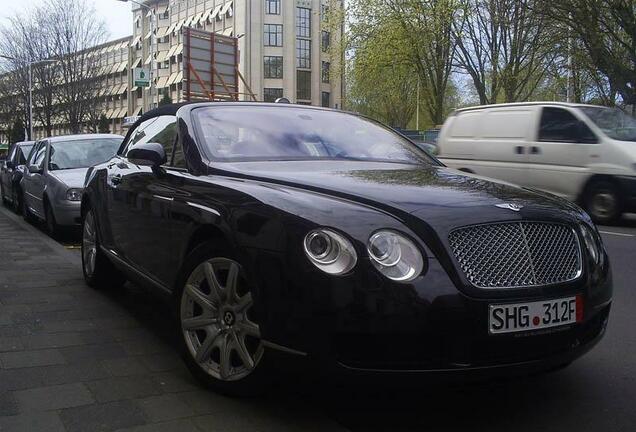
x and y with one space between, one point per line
520 149
115 179
535 150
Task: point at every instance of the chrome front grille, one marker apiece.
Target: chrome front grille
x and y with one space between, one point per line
517 254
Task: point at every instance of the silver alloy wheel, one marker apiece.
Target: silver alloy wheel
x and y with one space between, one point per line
218 332
604 203
89 245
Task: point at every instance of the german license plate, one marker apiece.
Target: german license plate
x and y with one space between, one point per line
518 317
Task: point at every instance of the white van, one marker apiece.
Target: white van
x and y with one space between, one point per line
584 153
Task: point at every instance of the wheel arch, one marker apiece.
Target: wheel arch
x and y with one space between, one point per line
204 234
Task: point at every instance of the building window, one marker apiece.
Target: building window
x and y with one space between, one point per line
273 66
273 35
303 53
272 7
326 99
326 66
326 40
271 94
303 85
303 22
324 12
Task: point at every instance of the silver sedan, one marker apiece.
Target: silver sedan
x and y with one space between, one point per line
54 179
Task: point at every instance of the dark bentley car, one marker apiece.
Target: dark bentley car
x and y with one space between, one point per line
281 230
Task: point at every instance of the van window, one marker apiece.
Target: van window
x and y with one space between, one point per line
505 124
559 125
465 125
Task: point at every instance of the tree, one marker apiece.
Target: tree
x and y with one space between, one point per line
16 132
423 29
103 126
165 100
505 46
384 86
606 30
74 29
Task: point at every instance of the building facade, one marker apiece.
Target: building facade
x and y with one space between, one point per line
285 50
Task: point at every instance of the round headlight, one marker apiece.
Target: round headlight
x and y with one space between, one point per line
395 256
591 244
74 194
330 251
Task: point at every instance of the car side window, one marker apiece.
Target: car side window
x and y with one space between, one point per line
12 156
23 153
31 153
38 157
178 159
162 130
559 125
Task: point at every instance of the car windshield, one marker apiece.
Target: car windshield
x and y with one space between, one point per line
81 153
613 122
289 133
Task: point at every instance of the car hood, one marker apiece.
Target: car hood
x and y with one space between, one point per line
71 177
438 195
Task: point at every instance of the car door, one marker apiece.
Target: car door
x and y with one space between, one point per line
139 200
560 153
33 182
6 171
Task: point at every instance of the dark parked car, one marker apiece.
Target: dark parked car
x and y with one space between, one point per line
54 178
300 231
11 174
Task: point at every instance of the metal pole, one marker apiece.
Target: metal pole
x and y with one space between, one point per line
153 89
417 107
30 102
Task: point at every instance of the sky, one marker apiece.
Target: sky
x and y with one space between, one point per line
117 15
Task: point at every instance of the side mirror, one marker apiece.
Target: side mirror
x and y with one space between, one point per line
34 169
9 164
147 154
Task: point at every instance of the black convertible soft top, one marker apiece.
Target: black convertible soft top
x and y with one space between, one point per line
170 109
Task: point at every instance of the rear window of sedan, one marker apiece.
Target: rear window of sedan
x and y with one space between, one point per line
253 133
81 153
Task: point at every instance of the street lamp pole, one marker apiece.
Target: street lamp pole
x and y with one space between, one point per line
154 27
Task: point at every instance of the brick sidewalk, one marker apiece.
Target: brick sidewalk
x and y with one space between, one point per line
76 359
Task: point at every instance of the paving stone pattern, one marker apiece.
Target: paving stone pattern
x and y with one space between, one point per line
77 359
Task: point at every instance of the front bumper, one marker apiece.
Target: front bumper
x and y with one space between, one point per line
363 323
68 213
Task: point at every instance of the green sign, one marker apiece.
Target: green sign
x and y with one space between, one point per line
141 77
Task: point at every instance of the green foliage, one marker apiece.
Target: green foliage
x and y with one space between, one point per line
165 100
396 45
384 86
16 132
103 124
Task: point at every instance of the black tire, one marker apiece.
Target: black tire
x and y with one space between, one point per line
258 377
17 199
26 213
4 199
49 220
603 202
101 273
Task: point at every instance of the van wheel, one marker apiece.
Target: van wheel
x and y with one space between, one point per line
603 203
